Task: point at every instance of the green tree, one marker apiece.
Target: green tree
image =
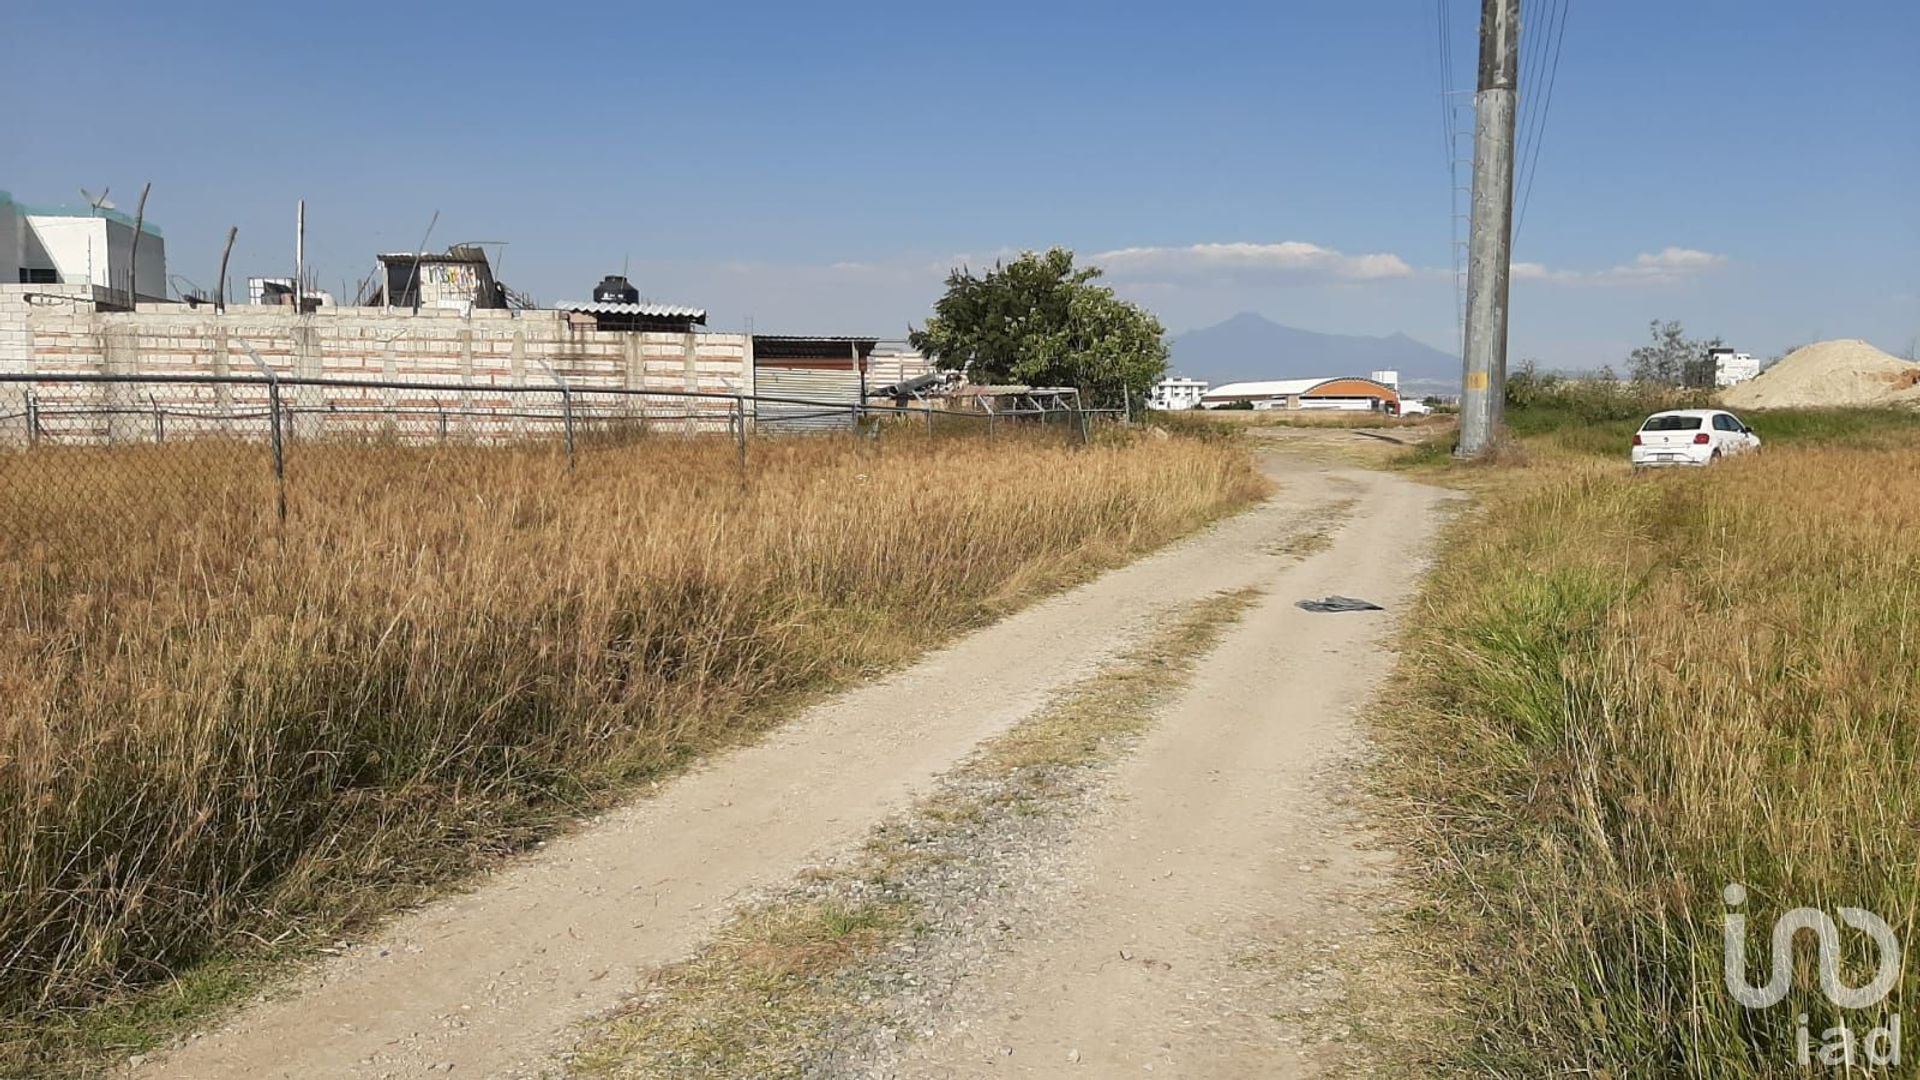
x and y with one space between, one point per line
1040 321
1673 359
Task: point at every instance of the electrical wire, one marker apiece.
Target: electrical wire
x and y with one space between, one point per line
1442 21
1450 131
1546 107
1526 100
1530 61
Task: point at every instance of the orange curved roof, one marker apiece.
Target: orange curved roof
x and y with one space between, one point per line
1352 386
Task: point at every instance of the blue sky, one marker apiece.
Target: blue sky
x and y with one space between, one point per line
1751 168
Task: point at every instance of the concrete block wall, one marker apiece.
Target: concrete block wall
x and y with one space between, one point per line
59 329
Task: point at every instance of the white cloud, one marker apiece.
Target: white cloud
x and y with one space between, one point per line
1241 261
1664 267
1677 260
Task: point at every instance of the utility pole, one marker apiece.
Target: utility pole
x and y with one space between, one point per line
300 254
1490 236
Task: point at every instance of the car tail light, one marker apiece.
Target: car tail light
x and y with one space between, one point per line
1702 439
1636 438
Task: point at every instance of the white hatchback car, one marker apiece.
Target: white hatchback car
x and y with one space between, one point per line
1691 437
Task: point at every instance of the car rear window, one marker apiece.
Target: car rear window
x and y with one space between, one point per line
1670 423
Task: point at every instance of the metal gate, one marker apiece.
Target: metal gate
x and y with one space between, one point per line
837 388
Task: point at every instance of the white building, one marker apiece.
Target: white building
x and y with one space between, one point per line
267 291
895 362
1731 367
79 246
1176 393
1347 393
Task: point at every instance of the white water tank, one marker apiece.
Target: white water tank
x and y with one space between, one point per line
1391 378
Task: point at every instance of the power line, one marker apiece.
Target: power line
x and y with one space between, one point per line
1546 107
1533 47
1533 63
1450 132
1449 129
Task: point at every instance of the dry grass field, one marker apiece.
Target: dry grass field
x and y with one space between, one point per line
1625 693
222 736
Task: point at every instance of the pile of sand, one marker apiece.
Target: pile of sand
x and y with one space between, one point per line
1847 372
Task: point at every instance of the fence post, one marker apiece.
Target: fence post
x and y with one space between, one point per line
273 413
1080 412
989 426
279 449
1126 401
33 418
740 431
566 405
159 420
441 412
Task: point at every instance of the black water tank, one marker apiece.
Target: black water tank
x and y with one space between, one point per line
613 289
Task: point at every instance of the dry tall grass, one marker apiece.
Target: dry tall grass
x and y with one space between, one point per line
1635 691
216 731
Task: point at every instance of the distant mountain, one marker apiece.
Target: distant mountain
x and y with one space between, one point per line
1249 346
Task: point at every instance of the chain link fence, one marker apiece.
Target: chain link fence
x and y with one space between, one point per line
148 452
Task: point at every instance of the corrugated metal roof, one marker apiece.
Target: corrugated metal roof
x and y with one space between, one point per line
1012 390
457 255
652 311
991 390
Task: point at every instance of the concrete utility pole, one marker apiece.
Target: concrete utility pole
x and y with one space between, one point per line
300 253
1490 239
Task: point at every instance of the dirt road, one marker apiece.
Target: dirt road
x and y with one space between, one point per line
1229 844
1210 907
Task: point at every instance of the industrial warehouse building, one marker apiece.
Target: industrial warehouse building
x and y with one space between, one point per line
1344 393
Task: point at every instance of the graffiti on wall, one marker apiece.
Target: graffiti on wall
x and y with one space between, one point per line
447 284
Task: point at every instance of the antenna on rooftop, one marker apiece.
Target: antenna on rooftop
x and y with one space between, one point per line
413 275
98 202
